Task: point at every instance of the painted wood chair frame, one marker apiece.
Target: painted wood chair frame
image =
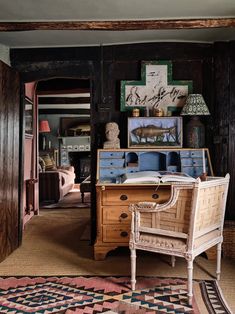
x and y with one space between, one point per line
187 225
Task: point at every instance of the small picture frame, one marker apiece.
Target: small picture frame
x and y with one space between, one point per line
28 116
155 132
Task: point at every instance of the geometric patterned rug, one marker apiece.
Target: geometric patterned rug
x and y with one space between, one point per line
108 294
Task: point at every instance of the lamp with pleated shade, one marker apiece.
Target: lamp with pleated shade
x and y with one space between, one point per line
194 107
43 128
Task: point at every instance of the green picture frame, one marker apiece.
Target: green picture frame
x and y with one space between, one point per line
156 89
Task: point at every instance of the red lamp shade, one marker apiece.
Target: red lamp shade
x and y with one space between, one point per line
44 126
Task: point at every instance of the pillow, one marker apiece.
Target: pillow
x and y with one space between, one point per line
42 165
49 162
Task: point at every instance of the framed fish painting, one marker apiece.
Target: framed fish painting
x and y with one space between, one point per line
155 132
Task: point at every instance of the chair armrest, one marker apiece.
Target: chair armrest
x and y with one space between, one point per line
177 192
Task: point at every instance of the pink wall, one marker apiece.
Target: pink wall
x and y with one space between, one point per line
29 89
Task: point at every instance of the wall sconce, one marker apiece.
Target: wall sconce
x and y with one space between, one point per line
44 128
194 107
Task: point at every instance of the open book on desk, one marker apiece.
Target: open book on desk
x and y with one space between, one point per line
153 177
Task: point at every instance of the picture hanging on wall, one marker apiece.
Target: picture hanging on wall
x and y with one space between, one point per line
28 116
155 90
155 132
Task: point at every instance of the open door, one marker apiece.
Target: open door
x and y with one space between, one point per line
10 160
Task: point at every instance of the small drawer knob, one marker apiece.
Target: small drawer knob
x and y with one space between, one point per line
124 234
123 197
123 215
155 196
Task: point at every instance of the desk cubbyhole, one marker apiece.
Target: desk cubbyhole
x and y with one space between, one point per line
152 161
132 160
173 161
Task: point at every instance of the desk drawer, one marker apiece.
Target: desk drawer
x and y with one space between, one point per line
125 196
112 163
116 215
116 234
112 154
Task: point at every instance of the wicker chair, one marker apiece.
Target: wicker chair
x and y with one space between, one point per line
187 225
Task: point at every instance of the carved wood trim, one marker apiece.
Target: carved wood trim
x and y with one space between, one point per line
119 25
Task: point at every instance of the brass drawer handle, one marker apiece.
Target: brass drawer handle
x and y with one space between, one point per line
124 234
123 215
123 197
155 196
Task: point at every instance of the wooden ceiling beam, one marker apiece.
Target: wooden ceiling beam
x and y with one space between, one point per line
121 25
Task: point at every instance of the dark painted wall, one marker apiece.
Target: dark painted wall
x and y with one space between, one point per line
209 66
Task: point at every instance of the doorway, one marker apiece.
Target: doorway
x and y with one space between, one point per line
64 104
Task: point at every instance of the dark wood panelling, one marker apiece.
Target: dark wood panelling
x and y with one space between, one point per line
220 109
161 51
206 64
231 130
63 100
9 159
27 56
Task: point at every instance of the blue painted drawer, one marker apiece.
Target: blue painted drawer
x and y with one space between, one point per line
111 154
186 162
198 162
196 153
190 153
111 172
132 169
185 153
112 162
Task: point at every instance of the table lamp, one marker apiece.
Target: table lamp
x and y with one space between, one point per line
194 107
44 128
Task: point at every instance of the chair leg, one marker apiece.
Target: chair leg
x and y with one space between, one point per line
82 196
133 269
172 260
190 282
218 263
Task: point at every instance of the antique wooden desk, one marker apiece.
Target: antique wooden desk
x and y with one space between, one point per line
113 197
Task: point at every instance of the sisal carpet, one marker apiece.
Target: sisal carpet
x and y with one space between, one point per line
88 294
70 200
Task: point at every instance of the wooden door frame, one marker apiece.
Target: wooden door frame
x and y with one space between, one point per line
36 134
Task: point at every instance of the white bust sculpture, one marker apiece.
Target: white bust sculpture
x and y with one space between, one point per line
111 133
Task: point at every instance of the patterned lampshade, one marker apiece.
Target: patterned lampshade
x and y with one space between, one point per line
44 126
195 106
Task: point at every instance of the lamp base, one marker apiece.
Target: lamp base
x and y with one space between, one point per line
195 133
42 142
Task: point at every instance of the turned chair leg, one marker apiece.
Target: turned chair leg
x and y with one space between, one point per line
190 282
218 260
133 269
172 261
